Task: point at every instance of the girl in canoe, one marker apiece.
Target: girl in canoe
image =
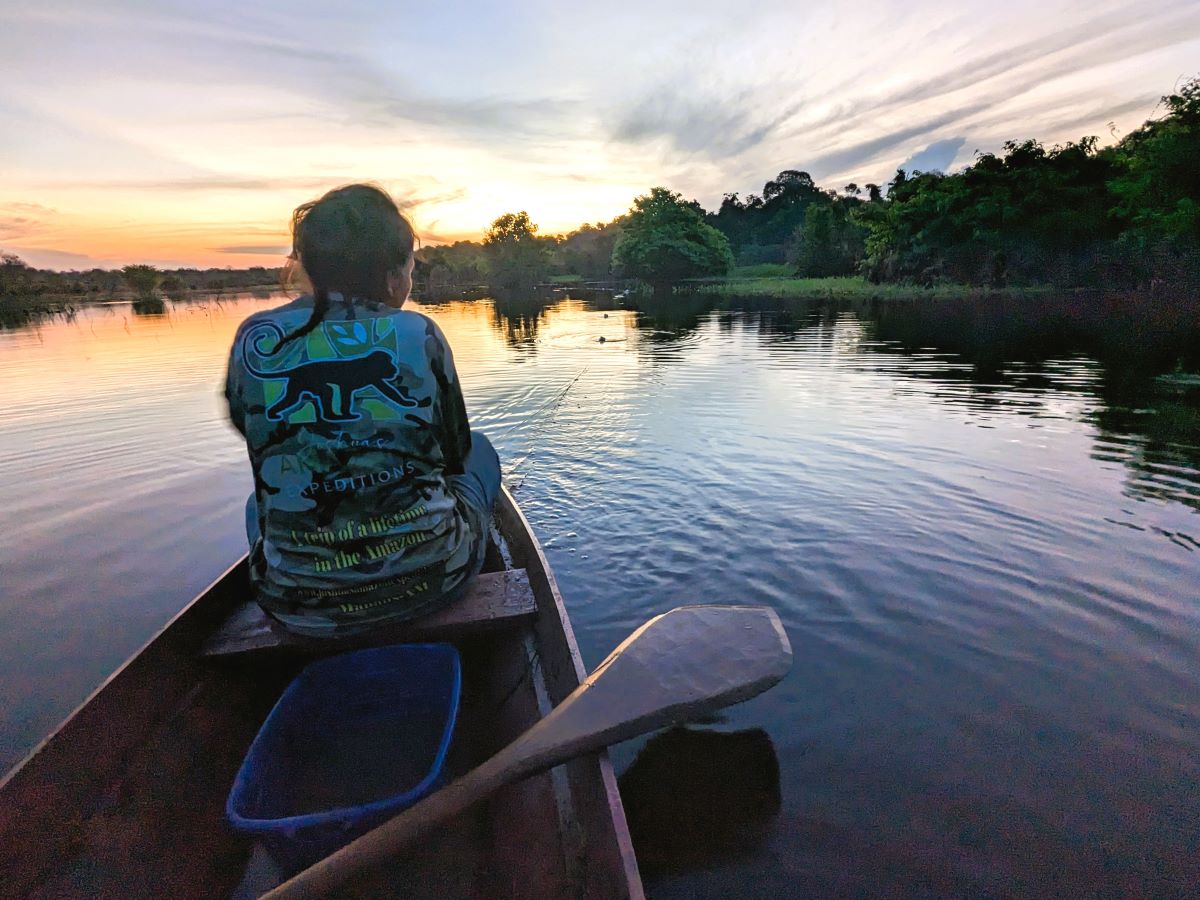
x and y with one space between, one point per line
372 496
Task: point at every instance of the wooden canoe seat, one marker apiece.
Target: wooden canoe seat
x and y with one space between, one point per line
494 600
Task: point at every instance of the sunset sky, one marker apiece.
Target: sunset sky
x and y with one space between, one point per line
184 133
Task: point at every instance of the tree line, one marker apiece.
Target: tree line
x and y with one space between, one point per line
19 279
1125 215
1075 215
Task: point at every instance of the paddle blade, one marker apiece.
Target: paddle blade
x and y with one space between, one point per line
683 664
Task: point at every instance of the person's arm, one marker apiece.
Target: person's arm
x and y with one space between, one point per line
450 417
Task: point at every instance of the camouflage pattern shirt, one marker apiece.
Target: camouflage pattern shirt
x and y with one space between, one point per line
351 430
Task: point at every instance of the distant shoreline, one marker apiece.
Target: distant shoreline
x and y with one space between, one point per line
92 298
737 284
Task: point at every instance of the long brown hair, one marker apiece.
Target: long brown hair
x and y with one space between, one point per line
349 241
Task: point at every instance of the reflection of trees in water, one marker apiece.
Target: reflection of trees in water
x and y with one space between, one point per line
1011 344
16 313
669 319
665 321
693 796
1005 354
1123 334
149 306
672 323
517 315
1157 436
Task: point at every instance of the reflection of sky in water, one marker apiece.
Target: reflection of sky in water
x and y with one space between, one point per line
990 581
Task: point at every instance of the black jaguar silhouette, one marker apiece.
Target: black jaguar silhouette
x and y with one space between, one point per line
331 383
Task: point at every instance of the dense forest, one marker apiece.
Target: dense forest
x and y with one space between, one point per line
1076 215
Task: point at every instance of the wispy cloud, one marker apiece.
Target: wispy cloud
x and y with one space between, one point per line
937 157
713 126
254 250
14 227
203 183
31 208
859 152
50 258
177 129
23 220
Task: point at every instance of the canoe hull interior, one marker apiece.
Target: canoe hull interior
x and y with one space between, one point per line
127 797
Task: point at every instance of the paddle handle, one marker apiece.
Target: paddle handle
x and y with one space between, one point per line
386 840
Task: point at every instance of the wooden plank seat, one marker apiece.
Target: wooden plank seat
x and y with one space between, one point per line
494 600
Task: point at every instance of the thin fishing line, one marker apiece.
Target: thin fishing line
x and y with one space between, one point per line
556 398
548 411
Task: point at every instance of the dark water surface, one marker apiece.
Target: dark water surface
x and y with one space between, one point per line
990 573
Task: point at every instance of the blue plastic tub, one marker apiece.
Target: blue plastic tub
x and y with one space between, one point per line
354 740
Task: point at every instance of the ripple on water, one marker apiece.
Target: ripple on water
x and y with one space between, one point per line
989 577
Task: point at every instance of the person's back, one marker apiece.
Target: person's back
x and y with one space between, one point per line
371 494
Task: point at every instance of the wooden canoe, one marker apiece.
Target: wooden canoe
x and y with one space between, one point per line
126 798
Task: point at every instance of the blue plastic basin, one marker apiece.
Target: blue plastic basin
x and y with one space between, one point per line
353 740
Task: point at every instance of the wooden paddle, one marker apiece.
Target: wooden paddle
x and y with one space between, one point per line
678 666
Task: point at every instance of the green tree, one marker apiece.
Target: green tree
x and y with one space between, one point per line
173 285
1028 215
461 264
829 242
665 240
13 273
1157 188
588 250
760 228
516 256
142 278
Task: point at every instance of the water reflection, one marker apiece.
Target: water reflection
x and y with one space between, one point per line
696 796
985 355
17 312
981 539
149 306
517 316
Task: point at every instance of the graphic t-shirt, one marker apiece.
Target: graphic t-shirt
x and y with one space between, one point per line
352 430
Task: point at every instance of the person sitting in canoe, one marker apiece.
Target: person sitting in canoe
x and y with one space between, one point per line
372 495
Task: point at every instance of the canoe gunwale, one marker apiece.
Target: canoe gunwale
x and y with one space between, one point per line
202 603
553 611
65 775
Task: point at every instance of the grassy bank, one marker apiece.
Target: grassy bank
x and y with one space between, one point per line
768 281
18 311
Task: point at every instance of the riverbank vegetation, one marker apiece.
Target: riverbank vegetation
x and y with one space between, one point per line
1123 217
19 280
753 281
664 241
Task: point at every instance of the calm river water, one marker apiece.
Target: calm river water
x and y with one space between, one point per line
990 575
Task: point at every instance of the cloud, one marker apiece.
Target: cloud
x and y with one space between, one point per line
19 220
49 258
212 182
16 227
1099 117
254 249
412 199
30 208
846 158
1113 37
937 157
715 126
